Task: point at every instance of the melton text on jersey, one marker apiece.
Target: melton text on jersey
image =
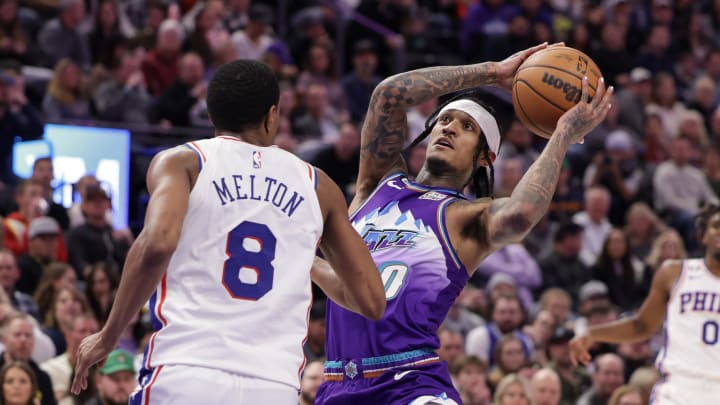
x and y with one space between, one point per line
266 189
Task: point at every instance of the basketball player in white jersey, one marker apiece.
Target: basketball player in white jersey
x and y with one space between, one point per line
224 257
686 295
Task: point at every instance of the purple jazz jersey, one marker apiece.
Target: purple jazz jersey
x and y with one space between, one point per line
403 226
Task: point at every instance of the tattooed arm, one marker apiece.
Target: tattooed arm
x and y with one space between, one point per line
385 129
508 220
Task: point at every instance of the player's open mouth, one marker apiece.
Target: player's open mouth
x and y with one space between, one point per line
444 142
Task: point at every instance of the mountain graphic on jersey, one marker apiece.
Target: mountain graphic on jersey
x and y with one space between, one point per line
390 228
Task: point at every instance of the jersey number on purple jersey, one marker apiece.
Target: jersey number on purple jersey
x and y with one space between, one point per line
250 246
393 276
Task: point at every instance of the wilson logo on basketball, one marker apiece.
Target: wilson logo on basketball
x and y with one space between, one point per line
572 93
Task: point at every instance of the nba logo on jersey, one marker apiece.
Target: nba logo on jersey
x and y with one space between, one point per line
257 160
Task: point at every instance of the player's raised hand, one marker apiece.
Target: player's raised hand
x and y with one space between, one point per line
92 350
507 68
576 122
580 350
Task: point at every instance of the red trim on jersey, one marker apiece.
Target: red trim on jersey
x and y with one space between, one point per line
302 345
147 389
158 313
199 150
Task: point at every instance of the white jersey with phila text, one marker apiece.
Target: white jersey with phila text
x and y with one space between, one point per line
692 326
236 294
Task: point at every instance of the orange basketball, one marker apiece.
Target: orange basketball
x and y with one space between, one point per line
549 83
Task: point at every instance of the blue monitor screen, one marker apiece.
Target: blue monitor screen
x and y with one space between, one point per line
76 151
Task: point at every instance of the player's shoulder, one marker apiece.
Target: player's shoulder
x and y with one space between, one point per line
667 275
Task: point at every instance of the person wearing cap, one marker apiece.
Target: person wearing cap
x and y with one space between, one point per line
464 140
358 85
515 262
633 99
43 238
574 380
94 241
115 380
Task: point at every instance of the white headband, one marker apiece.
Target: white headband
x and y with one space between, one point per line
482 117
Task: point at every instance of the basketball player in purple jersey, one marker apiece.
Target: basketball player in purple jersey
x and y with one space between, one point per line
424 236
685 296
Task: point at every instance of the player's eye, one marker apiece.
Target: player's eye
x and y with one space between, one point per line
469 126
444 118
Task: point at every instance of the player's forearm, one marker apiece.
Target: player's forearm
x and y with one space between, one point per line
417 86
531 198
144 267
325 277
626 330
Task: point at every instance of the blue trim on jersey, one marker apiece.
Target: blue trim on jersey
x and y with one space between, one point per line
156 324
333 364
377 188
392 358
199 156
445 238
421 187
315 176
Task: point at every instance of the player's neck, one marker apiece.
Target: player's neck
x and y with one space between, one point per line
712 261
254 137
445 180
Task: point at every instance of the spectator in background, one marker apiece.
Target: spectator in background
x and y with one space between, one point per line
668 245
206 24
9 275
633 98
60 368
508 176
636 355
65 98
320 68
546 388
627 279
360 83
18 118
177 101
340 159
681 190
486 23
115 380
151 18
312 377
645 378
703 98
508 357
77 217
507 318
608 376
573 379
562 267
611 56
94 241
460 318
14 39
515 261
451 345
656 55
17 336
627 395
469 376
43 236
319 122
105 32
568 198
56 275
236 15
160 64
512 390
518 143
618 170
102 283
314 347
67 304
124 98
656 142
43 173
594 222
542 327
711 167
254 40
665 103
642 227
61 37
19 384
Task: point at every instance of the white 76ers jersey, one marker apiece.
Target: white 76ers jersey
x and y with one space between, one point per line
692 328
236 294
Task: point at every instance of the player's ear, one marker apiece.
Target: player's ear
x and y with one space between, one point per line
272 120
481 159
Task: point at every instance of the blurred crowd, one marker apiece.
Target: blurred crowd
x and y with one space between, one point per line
625 202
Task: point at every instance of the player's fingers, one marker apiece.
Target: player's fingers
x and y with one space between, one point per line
556 44
534 49
599 93
584 92
78 381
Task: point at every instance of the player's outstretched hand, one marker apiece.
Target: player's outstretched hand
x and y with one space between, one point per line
576 122
507 68
92 350
580 350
